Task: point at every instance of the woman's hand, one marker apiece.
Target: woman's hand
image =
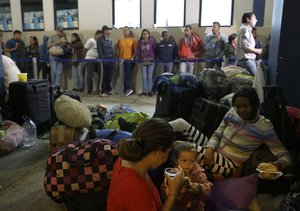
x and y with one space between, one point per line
174 184
209 157
278 165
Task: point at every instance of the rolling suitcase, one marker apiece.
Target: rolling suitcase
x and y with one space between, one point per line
206 116
32 99
174 101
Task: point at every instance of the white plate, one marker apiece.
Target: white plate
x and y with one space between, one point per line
277 174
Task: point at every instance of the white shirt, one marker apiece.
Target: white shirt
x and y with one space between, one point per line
91 45
10 70
245 39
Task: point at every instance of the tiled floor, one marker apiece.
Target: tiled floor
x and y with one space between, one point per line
22 171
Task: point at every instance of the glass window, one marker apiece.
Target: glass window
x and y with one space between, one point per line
32 15
169 13
127 13
5 16
216 10
66 14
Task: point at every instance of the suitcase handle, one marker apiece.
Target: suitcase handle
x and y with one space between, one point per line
42 85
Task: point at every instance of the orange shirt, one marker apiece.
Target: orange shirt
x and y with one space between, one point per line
126 48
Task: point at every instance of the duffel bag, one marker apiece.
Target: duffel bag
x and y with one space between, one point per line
81 167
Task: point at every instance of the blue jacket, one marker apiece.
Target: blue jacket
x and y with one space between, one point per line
166 50
43 50
105 48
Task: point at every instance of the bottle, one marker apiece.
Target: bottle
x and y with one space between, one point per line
29 129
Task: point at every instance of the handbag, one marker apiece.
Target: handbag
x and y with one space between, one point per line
56 51
81 167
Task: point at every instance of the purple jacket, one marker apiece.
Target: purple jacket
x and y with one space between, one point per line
146 51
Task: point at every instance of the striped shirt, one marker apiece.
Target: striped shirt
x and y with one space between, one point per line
236 139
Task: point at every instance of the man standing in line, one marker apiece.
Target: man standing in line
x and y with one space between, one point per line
214 45
166 51
16 47
105 51
126 48
245 49
90 52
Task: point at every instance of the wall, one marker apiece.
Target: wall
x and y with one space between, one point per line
94 13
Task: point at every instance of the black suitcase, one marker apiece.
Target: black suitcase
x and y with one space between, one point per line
32 99
206 116
174 101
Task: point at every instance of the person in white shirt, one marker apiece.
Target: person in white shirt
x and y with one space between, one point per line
90 52
10 70
245 50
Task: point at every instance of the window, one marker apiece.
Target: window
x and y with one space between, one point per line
32 15
66 14
169 13
5 16
127 13
216 10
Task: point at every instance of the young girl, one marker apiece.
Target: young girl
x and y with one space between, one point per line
195 186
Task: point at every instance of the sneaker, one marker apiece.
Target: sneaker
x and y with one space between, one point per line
143 93
150 94
127 126
103 95
110 93
128 92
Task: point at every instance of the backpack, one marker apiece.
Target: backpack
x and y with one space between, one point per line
137 117
79 168
292 200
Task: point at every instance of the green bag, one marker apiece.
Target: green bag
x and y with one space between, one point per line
137 117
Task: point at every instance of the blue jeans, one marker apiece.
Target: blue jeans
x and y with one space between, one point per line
250 65
165 67
78 75
56 70
127 75
147 71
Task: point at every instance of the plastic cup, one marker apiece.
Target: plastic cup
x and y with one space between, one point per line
22 77
172 172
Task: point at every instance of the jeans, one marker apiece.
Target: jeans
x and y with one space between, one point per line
186 66
93 67
108 70
165 67
250 65
78 75
56 70
127 75
147 71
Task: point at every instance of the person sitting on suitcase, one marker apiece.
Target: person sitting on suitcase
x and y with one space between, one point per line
240 133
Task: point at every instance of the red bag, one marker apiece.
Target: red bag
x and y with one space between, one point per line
81 167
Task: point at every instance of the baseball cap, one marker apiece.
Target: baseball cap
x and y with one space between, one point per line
105 28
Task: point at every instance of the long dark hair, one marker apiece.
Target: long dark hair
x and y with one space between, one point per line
144 30
152 135
77 37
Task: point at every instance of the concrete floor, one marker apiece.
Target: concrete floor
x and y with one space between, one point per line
22 171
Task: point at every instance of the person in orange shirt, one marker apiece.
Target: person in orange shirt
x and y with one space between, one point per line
126 48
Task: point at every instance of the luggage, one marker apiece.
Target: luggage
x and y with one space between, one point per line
32 99
206 116
174 101
62 135
80 168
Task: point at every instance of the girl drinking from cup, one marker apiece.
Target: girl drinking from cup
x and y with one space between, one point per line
195 186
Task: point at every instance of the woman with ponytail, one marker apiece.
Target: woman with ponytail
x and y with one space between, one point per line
131 187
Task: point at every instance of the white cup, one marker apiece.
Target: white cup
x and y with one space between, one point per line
172 172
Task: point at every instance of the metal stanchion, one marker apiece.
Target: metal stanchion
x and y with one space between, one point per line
34 68
121 85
